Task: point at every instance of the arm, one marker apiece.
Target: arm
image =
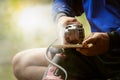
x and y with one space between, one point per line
114 39
102 43
64 12
66 7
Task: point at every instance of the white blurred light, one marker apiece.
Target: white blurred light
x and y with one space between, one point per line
36 22
34 18
29 18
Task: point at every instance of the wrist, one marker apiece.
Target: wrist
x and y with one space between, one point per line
114 40
58 16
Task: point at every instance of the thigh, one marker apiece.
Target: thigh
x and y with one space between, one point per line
30 64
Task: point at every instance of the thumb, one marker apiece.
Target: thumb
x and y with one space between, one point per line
89 42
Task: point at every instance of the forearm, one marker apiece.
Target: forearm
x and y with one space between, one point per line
68 7
114 40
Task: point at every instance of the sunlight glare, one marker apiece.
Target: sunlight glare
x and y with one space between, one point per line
36 22
29 18
35 17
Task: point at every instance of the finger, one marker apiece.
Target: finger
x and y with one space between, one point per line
82 51
89 41
73 22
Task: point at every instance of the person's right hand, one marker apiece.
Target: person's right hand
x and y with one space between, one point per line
62 23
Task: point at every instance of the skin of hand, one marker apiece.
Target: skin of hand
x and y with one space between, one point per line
65 20
100 44
62 23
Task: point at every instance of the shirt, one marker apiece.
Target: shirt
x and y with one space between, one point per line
103 15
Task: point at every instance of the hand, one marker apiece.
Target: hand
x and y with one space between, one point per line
62 23
100 44
65 20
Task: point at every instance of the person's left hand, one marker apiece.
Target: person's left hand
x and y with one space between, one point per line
100 44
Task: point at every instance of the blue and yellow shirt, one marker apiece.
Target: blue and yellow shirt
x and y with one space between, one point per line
103 15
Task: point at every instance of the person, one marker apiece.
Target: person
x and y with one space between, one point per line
99 62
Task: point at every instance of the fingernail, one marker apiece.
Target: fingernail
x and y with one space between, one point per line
90 45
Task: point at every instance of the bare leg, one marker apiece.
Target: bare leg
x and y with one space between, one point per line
30 64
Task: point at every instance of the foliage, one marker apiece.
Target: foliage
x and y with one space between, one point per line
11 36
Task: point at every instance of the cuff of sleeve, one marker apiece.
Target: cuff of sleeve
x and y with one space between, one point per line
114 40
58 16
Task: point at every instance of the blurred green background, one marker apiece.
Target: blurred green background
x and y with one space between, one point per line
24 24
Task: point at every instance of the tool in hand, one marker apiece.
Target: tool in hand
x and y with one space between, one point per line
74 35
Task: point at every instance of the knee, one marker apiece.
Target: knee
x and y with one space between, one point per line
18 65
24 59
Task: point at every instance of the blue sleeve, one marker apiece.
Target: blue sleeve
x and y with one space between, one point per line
69 7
